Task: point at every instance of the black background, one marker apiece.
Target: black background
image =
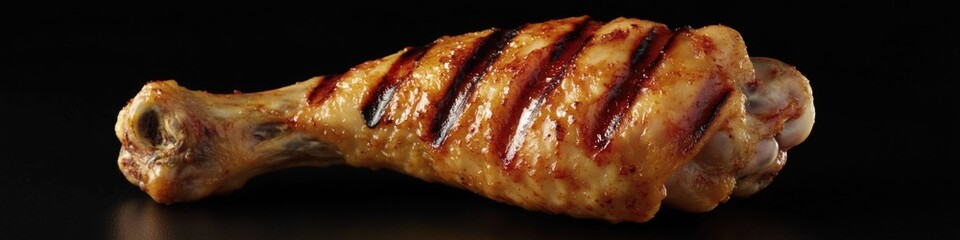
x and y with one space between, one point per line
878 164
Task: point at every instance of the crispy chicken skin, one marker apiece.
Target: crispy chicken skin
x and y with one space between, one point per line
591 119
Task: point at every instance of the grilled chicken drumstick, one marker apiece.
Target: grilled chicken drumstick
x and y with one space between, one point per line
574 116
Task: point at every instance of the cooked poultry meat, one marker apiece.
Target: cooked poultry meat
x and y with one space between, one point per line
573 116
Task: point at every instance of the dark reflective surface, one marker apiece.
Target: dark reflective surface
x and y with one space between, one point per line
404 210
879 163
447 215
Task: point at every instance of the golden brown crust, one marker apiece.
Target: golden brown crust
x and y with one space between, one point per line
570 116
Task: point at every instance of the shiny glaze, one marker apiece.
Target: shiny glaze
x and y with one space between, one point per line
465 83
542 83
399 71
625 90
460 103
568 116
323 90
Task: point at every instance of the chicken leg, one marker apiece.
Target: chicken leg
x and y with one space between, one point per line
572 116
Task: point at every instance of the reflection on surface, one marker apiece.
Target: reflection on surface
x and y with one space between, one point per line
403 209
139 220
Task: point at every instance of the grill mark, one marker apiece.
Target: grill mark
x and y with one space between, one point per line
534 94
705 116
659 40
377 101
472 71
324 89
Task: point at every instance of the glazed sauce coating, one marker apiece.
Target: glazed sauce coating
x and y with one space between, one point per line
374 107
465 82
625 91
536 91
322 91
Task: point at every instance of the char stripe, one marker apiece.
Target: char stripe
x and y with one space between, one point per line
535 92
705 117
375 106
626 91
324 89
470 73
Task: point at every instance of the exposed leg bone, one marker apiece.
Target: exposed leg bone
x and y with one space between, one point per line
180 149
781 90
590 119
780 111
